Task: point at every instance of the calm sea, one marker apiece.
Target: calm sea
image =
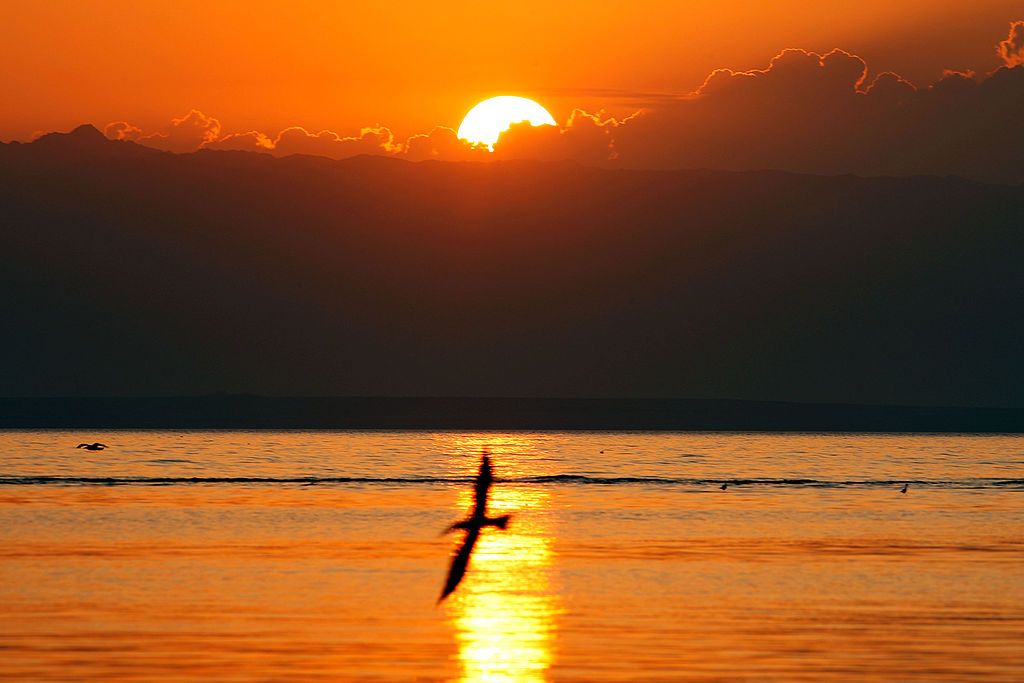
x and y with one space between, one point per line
317 556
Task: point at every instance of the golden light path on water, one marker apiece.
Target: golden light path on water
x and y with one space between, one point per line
504 612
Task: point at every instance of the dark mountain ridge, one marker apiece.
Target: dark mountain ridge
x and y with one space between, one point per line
130 271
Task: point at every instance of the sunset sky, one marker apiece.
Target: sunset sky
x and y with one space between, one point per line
413 66
517 340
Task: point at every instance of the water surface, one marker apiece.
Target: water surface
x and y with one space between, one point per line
317 556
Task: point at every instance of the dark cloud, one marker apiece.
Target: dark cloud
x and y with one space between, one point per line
1012 49
822 114
891 87
791 114
792 72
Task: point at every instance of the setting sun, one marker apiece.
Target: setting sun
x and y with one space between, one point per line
488 120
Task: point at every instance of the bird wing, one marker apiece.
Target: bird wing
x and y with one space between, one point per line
460 561
484 479
81 445
101 445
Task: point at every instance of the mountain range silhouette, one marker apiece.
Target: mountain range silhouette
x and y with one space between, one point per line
131 271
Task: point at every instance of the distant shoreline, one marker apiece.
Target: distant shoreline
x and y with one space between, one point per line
257 412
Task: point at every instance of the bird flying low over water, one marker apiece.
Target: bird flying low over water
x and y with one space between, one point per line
92 446
472 525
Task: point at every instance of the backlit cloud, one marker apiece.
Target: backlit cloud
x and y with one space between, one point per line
185 134
891 87
585 138
297 140
196 131
1012 49
443 144
792 71
122 130
253 141
792 114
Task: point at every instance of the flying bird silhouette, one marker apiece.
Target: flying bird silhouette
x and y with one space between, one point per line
477 520
92 446
904 489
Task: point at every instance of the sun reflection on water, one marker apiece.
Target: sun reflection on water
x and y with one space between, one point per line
505 610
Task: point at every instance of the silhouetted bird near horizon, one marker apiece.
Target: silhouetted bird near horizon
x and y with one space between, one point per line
92 446
724 486
904 489
472 525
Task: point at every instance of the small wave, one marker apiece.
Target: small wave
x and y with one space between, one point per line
164 481
547 480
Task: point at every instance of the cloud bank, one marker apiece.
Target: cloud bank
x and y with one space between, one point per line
803 112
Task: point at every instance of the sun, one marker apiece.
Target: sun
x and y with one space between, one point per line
489 119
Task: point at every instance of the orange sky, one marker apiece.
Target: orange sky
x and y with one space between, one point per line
411 66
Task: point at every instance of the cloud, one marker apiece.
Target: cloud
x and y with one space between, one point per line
122 130
525 141
443 144
253 141
185 134
585 138
822 114
297 140
792 71
1012 49
890 87
790 114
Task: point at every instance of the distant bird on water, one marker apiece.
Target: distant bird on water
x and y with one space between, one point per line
724 485
904 489
472 525
92 446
